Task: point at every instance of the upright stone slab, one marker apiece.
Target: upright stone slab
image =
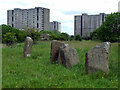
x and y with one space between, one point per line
28 47
97 59
68 56
55 45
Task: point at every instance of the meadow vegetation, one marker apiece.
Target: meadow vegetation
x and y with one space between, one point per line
37 71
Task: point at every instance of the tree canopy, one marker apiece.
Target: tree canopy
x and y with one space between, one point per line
109 30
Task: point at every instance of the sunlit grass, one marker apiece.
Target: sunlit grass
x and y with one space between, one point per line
37 71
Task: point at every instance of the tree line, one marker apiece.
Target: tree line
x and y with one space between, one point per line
108 31
12 35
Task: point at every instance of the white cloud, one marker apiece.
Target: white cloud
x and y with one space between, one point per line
61 10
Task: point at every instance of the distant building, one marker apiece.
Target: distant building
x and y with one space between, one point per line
55 26
119 6
37 17
84 24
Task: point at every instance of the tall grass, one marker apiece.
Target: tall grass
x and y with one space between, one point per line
37 71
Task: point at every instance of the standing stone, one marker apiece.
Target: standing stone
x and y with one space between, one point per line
55 46
28 47
97 58
68 56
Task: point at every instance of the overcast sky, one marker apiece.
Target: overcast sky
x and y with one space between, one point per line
61 10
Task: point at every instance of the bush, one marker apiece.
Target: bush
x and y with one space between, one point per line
9 38
63 36
21 36
72 37
56 35
78 37
94 35
53 36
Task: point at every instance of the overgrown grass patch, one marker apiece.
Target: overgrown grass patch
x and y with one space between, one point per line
37 71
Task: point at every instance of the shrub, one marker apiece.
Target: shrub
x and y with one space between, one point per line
9 38
72 37
78 37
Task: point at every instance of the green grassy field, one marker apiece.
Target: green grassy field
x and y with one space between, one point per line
37 71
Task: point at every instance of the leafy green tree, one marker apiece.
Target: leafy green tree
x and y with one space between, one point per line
45 32
20 34
64 36
56 32
53 36
7 28
110 29
33 33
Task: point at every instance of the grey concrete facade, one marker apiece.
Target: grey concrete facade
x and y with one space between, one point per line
84 24
37 17
55 26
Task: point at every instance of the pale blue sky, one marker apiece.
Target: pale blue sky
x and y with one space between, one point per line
61 10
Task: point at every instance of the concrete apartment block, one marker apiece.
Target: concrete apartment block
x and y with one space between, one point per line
46 19
55 26
84 24
37 17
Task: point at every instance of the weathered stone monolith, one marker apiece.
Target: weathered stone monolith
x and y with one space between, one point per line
97 59
28 47
55 46
68 56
